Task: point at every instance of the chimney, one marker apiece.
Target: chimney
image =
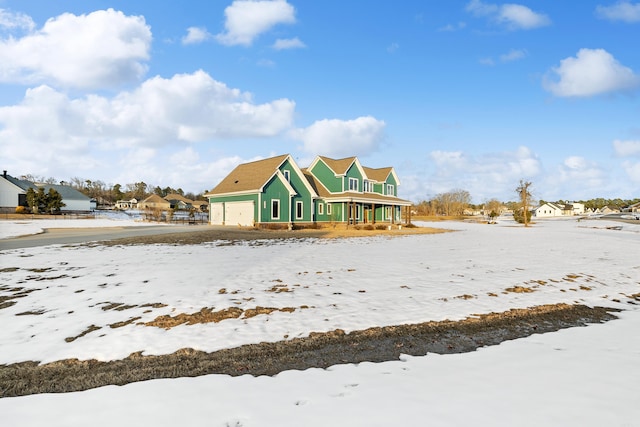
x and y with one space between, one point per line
4 174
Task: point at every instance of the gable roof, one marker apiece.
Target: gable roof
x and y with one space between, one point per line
176 196
249 177
154 198
253 176
379 174
21 184
67 192
328 196
338 166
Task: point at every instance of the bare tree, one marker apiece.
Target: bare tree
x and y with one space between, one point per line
453 202
524 195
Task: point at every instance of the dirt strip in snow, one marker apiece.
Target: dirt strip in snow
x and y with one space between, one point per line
318 350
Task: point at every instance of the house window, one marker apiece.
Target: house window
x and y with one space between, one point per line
275 209
357 212
368 186
320 208
390 190
299 210
353 184
387 213
287 175
328 208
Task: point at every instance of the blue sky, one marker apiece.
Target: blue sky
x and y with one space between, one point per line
471 95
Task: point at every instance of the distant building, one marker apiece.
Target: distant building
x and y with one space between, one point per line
549 209
13 193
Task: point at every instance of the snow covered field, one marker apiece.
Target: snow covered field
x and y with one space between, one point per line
91 302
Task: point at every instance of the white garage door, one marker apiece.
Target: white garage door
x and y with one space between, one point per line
216 213
238 213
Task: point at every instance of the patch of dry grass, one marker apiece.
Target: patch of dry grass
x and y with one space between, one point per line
207 315
520 290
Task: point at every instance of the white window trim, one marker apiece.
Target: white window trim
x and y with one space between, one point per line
320 208
287 175
299 210
390 190
328 208
355 186
275 202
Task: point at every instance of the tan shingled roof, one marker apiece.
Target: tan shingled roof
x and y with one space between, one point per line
339 166
154 198
325 194
379 174
176 196
249 176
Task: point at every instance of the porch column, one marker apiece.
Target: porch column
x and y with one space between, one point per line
373 213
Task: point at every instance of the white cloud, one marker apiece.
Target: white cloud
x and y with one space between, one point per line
247 19
513 55
294 43
513 16
185 109
632 171
15 21
620 11
196 35
393 47
487 61
579 175
342 138
485 176
453 27
521 17
102 49
626 148
591 72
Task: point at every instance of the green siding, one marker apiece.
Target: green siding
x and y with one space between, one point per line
275 189
336 212
353 172
391 180
325 175
304 195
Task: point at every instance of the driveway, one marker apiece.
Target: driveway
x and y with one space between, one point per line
63 236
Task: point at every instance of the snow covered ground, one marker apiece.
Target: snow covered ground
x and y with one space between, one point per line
91 302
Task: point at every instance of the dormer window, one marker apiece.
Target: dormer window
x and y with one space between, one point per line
353 184
368 186
390 190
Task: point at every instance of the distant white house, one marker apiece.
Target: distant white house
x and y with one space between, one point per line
549 209
635 207
577 208
126 204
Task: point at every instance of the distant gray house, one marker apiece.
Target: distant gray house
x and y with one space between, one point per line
13 193
72 198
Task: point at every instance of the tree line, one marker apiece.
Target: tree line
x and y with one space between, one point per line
456 202
111 193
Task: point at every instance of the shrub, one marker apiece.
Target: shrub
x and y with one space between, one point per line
368 227
381 227
21 210
519 217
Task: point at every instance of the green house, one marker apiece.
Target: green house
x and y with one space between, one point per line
276 190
